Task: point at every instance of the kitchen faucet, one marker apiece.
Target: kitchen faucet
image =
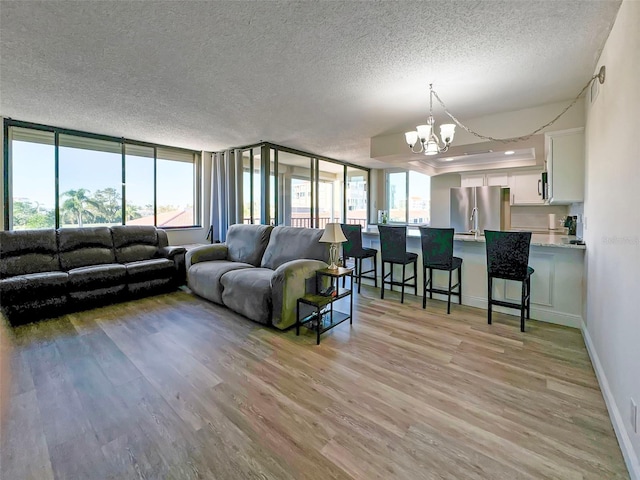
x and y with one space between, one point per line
474 219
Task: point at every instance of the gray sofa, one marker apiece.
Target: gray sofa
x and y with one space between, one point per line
260 271
47 272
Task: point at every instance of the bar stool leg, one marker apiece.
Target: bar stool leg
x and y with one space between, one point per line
415 278
382 286
449 295
424 290
404 266
523 304
375 270
489 299
360 275
460 285
528 297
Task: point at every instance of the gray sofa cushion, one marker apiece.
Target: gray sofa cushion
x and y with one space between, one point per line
246 243
204 278
81 247
28 251
248 292
155 268
291 243
97 276
134 242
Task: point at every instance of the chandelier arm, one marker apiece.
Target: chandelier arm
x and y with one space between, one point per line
512 139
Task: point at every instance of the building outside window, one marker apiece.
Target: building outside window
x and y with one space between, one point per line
409 197
99 181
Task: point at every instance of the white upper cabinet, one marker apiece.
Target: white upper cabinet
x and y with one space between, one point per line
565 166
497 179
526 187
472 180
484 180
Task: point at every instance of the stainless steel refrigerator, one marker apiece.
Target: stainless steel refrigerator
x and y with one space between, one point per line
480 208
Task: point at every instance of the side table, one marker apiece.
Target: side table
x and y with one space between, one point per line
324 317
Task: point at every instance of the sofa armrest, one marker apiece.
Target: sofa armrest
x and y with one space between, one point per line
290 281
205 253
170 252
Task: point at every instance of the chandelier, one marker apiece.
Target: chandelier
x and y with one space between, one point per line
429 142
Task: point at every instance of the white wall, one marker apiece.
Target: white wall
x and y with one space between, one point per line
612 229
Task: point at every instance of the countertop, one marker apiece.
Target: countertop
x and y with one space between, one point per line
537 239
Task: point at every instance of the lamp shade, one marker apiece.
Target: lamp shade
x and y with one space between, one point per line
411 137
446 132
333 234
424 132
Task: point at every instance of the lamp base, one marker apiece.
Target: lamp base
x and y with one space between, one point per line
333 256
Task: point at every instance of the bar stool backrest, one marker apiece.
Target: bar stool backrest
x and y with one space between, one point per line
393 243
507 254
437 247
353 246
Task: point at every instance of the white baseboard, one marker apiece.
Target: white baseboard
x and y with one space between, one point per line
557 318
629 454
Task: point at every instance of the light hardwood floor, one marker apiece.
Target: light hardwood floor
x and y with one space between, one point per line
174 387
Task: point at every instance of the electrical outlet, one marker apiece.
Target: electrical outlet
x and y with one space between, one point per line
634 416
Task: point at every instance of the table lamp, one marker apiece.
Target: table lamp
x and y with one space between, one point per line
333 234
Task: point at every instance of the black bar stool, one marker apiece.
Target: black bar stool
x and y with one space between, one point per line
508 258
353 248
437 254
393 250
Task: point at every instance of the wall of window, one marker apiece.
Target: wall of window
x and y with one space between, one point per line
408 197
304 190
62 178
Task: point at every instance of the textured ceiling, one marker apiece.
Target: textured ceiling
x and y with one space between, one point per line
318 76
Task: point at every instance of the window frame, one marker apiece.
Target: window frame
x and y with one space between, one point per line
406 173
57 131
269 154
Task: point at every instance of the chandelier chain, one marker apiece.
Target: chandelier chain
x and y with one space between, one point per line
512 139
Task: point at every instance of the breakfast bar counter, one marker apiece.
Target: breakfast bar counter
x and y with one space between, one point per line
557 289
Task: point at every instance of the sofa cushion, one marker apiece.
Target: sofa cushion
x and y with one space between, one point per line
246 243
25 298
204 278
150 269
32 285
28 251
291 243
134 242
248 292
80 247
97 276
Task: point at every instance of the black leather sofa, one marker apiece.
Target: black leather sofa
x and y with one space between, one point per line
44 273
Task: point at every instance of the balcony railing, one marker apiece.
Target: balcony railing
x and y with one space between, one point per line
305 222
